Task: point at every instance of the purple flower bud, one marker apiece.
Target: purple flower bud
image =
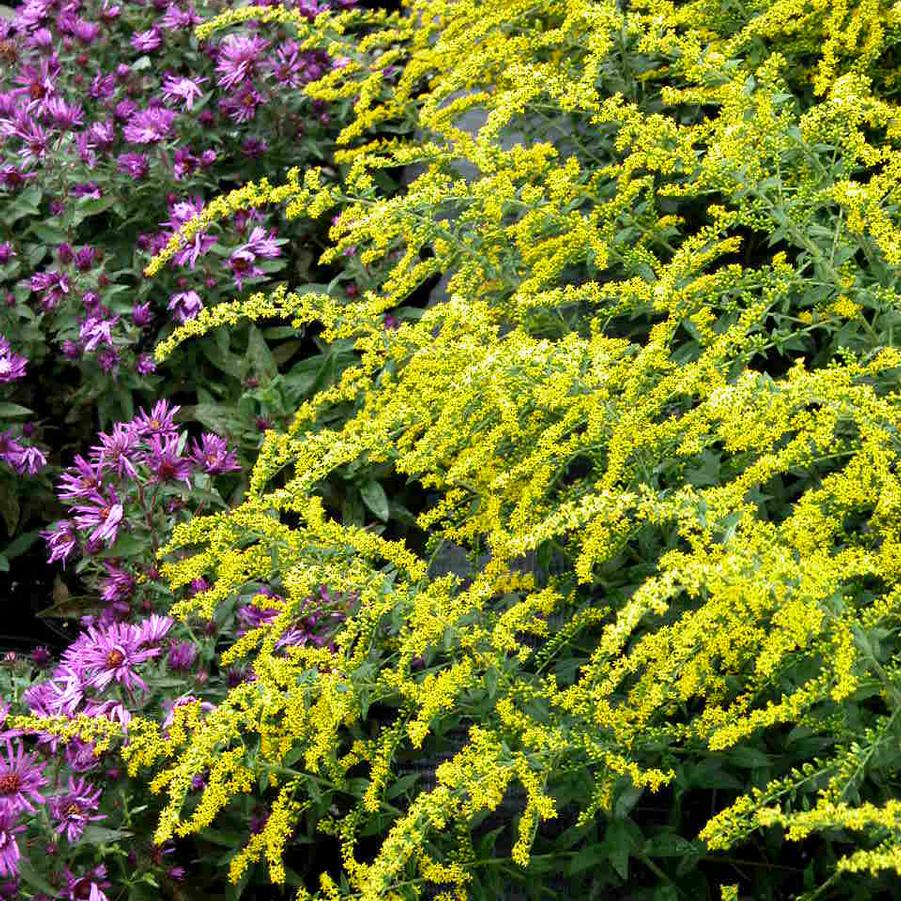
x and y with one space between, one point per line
145 365
6 253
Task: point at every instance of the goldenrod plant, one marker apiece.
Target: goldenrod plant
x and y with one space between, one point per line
656 403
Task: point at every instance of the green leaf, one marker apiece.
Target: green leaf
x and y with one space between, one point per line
100 835
375 498
34 879
13 411
9 507
20 544
49 233
259 356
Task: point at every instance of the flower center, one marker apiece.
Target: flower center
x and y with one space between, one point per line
10 783
73 809
114 658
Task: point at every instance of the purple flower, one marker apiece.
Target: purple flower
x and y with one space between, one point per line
153 629
242 262
75 808
96 331
185 305
242 106
85 258
165 460
6 252
107 655
30 461
102 515
117 450
61 540
35 140
88 190
118 584
212 456
21 778
137 165
12 365
159 421
103 86
9 847
89 886
145 365
147 41
149 126
237 58
80 480
108 359
176 18
52 286
182 89
64 115
124 110
182 655
141 314
180 213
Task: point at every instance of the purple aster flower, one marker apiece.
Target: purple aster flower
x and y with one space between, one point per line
80 756
117 450
165 460
254 148
181 212
149 126
212 456
35 140
184 163
153 629
107 655
89 887
159 421
9 847
71 350
29 462
182 89
6 252
207 158
64 115
80 480
13 177
237 58
242 106
137 165
145 365
103 86
242 261
88 190
141 314
118 584
52 286
21 778
85 258
185 305
182 655
102 515
108 359
95 332
61 540
12 365
75 808
124 110
147 41
111 710
176 18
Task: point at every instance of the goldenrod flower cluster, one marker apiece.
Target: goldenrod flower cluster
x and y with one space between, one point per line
656 403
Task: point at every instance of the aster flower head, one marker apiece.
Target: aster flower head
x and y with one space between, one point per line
73 810
176 18
61 541
212 456
237 59
149 126
9 846
80 480
141 314
181 212
30 461
165 460
12 365
159 421
89 886
185 305
183 90
21 779
153 630
145 364
118 585
136 165
97 331
117 450
181 656
110 654
147 41
101 515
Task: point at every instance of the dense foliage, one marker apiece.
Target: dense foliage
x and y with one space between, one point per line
603 513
